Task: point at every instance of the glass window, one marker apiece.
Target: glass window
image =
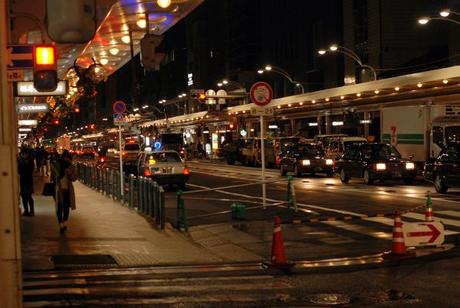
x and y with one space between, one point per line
380 152
163 157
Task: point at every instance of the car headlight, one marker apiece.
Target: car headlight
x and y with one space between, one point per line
329 162
306 162
410 166
380 166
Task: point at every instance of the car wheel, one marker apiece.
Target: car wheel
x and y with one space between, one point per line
297 173
282 171
408 181
367 178
439 184
344 177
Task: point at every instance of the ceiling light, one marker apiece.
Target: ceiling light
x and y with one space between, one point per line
445 81
164 3
301 103
419 84
103 53
141 23
268 68
260 71
358 94
327 99
125 39
104 61
376 91
313 101
342 97
289 105
396 88
114 51
279 107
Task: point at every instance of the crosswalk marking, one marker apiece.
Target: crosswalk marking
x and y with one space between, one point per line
360 229
449 213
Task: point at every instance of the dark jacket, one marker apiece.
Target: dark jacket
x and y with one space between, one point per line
26 171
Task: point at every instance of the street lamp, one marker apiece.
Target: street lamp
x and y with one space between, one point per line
278 70
349 53
444 14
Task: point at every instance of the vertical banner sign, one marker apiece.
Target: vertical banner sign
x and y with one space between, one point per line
261 94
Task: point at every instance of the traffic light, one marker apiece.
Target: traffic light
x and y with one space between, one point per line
45 64
201 97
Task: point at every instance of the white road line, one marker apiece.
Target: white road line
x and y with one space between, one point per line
360 229
448 213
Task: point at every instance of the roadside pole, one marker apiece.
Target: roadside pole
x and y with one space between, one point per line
120 146
262 153
261 94
10 242
119 119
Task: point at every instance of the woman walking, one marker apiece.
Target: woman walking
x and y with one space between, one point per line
26 181
65 195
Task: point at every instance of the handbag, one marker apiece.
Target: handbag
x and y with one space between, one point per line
49 189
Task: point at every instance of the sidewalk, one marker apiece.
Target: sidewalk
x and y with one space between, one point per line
101 226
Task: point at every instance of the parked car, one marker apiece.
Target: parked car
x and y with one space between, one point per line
374 161
444 170
305 158
165 167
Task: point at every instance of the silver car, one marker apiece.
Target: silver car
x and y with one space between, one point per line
164 166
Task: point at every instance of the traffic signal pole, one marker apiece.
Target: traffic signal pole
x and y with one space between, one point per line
10 243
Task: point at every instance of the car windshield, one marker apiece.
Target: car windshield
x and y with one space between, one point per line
348 144
132 147
380 152
163 157
307 149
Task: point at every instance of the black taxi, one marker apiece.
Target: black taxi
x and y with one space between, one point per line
374 161
305 158
444 170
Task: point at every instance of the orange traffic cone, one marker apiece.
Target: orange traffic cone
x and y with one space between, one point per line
278 258
398 247
278 253
428 208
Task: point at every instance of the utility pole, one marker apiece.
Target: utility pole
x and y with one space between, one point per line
10 242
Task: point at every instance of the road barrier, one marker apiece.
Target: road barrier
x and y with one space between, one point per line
139 193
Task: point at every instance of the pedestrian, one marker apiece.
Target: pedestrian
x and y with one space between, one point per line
39 159
65 195
26 180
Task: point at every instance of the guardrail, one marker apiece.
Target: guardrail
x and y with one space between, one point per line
139 193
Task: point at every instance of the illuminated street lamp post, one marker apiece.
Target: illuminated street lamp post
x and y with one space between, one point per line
349 53
444 14
278 70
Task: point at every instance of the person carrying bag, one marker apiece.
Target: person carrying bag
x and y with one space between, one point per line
65 194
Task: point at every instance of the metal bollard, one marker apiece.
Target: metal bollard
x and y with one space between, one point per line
131 191
162 209
291 198
181 220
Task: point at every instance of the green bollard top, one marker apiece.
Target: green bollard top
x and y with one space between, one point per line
179 192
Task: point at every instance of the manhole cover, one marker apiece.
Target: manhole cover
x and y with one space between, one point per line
329 299
83 260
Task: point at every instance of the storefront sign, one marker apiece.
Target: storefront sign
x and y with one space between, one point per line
26 88
32 108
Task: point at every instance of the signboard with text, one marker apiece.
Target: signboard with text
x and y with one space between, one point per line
26 88
120 119
262 111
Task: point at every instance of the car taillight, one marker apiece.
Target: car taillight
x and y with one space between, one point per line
102 159
147 172
186 171
124 153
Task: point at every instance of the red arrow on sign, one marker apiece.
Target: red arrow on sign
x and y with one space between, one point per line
434 233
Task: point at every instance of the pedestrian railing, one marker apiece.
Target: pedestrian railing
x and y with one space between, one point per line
139 193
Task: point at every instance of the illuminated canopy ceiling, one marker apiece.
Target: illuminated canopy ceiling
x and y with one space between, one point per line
126 18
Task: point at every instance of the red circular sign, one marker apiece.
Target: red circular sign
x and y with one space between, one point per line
119 107
261 93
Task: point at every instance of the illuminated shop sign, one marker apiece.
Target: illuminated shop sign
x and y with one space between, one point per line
32 108
26 88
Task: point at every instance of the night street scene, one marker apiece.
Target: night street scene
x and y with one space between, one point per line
229 153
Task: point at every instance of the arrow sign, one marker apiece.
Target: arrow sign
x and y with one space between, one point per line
423 234
20 56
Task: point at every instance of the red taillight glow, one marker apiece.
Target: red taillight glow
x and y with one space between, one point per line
186 171
102 159
124 153
147 172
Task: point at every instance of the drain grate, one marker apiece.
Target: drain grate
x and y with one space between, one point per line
83 260
329 299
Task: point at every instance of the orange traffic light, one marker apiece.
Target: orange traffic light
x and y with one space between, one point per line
201 97
45 65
